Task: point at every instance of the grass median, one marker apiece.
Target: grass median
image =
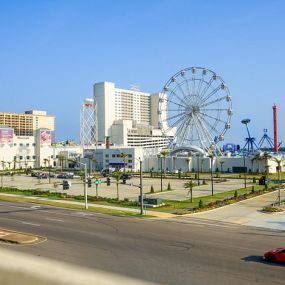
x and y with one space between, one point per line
91 207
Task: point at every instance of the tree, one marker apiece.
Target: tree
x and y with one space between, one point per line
258 158
266 157
124 155
9 164
61 159
46 160
117 175
3 164
91 159
190 186
164 153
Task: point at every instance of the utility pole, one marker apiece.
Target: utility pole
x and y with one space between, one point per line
244 171
141 188
160 173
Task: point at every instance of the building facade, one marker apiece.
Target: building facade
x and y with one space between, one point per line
129 117
27 123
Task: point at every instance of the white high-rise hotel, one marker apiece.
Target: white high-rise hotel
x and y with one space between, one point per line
128 117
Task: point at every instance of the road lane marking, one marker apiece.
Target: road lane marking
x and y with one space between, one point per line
31 224
55 220
35 207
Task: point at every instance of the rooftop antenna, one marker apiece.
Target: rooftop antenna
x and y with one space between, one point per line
250 141
135 87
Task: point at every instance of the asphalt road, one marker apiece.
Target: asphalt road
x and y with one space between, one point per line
180 251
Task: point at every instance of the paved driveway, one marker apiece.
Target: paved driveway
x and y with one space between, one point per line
248 213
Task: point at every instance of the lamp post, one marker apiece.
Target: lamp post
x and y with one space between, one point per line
244 171
141 188
160 173
49 170
198 160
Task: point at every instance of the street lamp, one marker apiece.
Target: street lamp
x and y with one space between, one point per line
244 171
198 165
141 188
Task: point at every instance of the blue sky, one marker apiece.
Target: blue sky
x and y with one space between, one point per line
52 52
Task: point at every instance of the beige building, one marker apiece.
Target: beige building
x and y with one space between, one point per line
27 123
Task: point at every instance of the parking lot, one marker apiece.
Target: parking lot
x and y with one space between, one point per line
129 190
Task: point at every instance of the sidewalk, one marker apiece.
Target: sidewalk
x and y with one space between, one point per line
147 212
248 212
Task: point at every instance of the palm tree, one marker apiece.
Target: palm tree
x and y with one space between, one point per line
190 185
9 164
91 159
211 156
124 155
266 157
117 176
3 164
258 158
14 163
45 162
164 153
61 158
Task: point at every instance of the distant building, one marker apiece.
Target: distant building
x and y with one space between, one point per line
26 124
129 117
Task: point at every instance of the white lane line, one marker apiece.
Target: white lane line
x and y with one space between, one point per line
55 220
210 224
31 224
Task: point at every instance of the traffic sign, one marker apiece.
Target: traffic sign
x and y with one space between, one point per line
276 181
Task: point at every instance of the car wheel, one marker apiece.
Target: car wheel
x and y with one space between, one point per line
271 258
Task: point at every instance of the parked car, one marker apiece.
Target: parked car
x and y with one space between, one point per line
126 176
275 255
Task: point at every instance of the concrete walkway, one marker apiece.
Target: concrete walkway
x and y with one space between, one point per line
248 212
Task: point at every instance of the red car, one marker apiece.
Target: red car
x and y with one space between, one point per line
275 255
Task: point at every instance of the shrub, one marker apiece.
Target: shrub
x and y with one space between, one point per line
204 182
252 189
253 180
151 189
201 204
271 209
168 186
235 194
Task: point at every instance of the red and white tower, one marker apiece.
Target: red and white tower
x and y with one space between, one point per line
275 127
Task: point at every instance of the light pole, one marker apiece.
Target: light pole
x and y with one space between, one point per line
160 173
141 188
198 159
49 170
244 171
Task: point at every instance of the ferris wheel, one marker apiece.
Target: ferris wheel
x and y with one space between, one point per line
195 108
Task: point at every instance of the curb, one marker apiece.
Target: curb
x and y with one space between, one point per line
15 237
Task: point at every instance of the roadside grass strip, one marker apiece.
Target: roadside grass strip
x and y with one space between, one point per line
91 207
